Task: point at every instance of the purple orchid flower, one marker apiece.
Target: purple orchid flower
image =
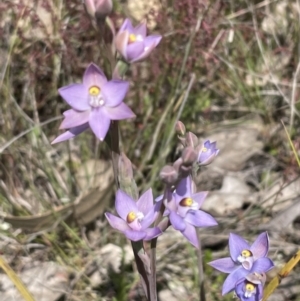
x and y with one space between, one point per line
182 206
94 104
207 152
244 260
136 217
133 42
251 288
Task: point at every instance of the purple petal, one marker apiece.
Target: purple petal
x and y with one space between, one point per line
144 54
141 29
127 25
134 50
170 202
183 189
260 247
122 111
200 219
114 92
99 123
121 42
232 279
236 245
157 206
199 197
145 202
94 76
76 95
262 265
148 219
152 40
191 234
225 265
152 233
177 221
74 118
71 133
116 222
124 204
135 235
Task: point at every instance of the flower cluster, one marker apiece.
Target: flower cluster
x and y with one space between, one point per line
97 101
246 266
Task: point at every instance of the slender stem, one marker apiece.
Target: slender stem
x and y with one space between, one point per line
200 270
115 149
152 276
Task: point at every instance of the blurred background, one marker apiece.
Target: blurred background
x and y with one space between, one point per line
241 59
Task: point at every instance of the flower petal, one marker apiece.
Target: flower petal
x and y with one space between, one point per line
71 133
200 218
122 111
74 118
232 279
152 40
183 189
124 204
99 123
199 197
148 219
225 265
127 25
145 202
76 95
141 29
114 92
121 42
177 221
94 76
144 54
260 247
134 50
191 234
262 265
152 233
236 245
135 235
116 222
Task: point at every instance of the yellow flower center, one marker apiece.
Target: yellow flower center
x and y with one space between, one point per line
94 91
131 217
132 38
186 202
250 287
204 149
246 253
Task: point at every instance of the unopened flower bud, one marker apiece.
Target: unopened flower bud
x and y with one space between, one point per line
168 175
180 128
98 8
189 156
191 139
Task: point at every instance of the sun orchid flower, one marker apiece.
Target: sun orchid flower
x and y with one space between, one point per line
94 104
135 217
207 153
251 288
133 43
182 206
244 260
